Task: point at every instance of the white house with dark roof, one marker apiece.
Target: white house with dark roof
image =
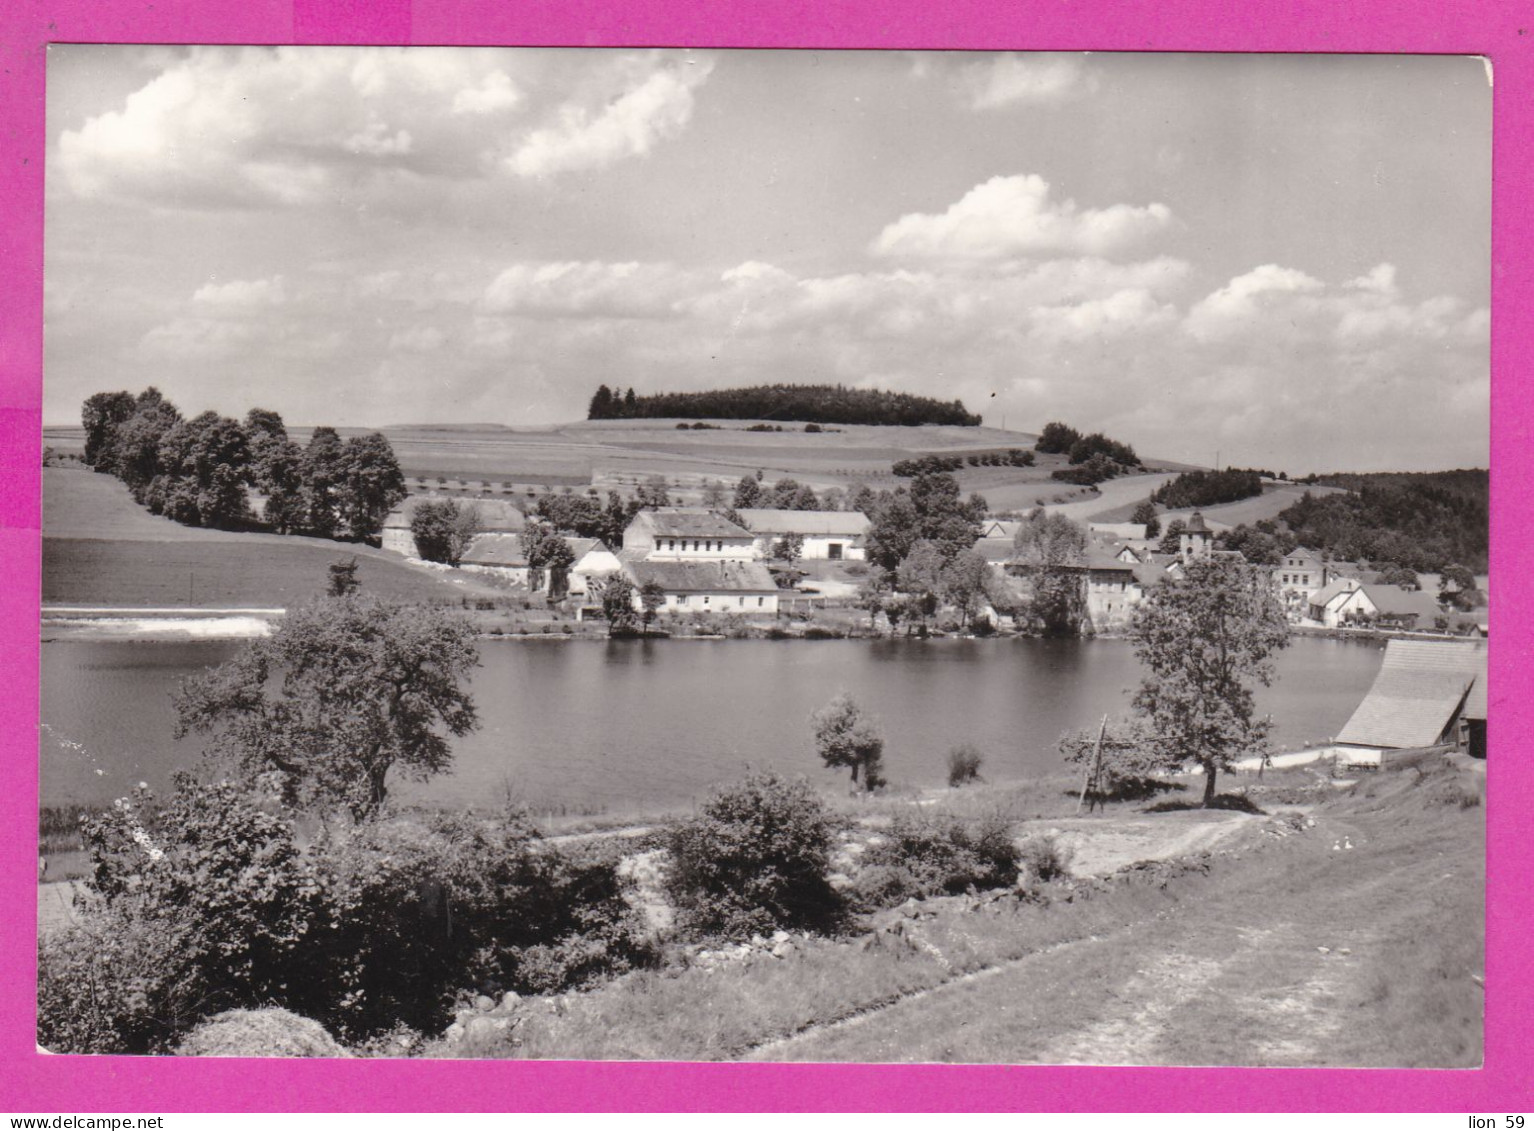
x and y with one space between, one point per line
1298 577
1341 601
826 535
740 588
502 556
687 534
593 563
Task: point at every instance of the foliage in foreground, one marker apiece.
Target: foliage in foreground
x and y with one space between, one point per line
920 856
756 858
211 903
348 690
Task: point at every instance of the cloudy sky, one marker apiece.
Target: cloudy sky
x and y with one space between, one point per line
1281 258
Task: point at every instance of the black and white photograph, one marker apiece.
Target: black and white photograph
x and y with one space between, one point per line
765 555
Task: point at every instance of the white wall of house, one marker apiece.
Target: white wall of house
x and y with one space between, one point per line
739 604
1356 603
594 563
817 547
398 539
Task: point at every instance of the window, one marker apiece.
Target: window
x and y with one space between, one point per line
760 601
705 599
670 543
682 600
834 551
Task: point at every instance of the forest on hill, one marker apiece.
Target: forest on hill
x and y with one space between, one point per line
815 404
1421 520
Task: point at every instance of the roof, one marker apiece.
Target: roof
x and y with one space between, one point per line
500 549
1135 530
701 577
495 549
999 528
1196 525
1475 702
1392 600
763 520
689 522
1302 559
1420 687
995 550
494 514
1100 557
1321 598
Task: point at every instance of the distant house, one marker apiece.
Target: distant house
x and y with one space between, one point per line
997 552
593 562
827 535
1341 601
1298 577
1113 588
1196 540
495 517
687 534
1420 699
1395 607
1000 528
502 556
742 588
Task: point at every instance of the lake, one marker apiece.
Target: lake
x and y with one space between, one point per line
625 726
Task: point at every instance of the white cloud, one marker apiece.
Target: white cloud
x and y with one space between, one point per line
242 294
587 289
495 93
1026 80
299 126
1121 313
1245 300
655 107
1010 217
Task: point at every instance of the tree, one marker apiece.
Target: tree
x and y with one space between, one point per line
1171 540
1144 515
1457 588
713 494
1049 550
845 737
348 690
135 450
755 858
372 485
789 548
343 578
920 577
964 763
618 606
652 492
1206 638
1117 759
964 583
443 529
101 415
1056 438
748 493
1399 575
873 595
652 596
601 407
805 499
323 472
549 553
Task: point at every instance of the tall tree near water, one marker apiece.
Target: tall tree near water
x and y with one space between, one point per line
845 736
348 691
373 484
1206 640
1050 550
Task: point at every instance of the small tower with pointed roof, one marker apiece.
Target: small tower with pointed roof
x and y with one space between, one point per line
1196 540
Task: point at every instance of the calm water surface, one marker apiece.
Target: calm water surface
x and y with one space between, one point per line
621 726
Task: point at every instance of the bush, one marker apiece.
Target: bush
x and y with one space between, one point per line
964 764
755 859
1042 858
925 856
208 905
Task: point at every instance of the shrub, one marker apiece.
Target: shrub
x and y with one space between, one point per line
754 859
926 856
1043 858
964 764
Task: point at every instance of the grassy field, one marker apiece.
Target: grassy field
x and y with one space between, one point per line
1281 947
101 548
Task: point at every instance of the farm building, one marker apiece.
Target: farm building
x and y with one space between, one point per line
1422 698
1113 588
687 534
502 556
743 588
495 517
593 560
1343 600
827 535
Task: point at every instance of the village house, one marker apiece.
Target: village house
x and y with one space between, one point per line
1000 528
495 516
1113 587
1122 531
1423 699
503 557
826 535
687 534
1298 577
594 562
1342 602
741 588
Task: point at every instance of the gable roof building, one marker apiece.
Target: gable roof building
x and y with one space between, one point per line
495 516
1418 696
687 534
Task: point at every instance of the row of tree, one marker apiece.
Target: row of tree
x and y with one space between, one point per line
820 404
1061 439
1208 488
199 471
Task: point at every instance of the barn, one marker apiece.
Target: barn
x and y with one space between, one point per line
1421 699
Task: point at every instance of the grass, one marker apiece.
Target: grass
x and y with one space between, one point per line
1281 950
274 572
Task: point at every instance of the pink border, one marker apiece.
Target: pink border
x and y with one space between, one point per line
29 1081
